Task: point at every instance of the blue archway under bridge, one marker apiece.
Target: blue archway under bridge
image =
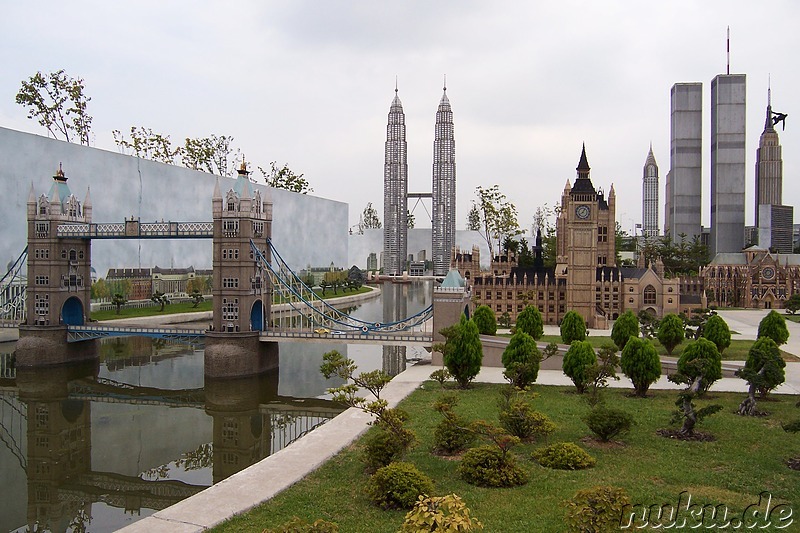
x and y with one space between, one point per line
72 312
257 316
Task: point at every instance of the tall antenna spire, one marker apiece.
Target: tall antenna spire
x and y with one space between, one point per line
769 90
729 50
395 84
444 88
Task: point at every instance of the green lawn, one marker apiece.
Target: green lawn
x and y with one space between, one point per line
188 307
747 458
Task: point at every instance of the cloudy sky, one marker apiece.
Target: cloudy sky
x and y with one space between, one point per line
310 83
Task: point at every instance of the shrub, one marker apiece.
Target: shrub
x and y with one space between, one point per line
521 359
439 513
296 525
577 361
530 321
485 320
640 363
489 466
764 360
774 326
599 373
397 486
451 434
564 456
381 448
607 423
717 331
596 510
701 360
522 421
626 326
440 376
462 351
670 332
573 328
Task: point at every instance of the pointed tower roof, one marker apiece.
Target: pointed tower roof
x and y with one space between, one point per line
59 190
217 193
32 195
397 105
444 100
583 185
88 201
243 188
651 159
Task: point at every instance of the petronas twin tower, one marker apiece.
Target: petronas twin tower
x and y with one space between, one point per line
395 190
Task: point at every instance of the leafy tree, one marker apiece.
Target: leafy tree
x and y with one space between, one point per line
118 300
577 361
792 305
284 178
544 221
209 154
504 320
625 327
462 351
369 218
599 373
99 290
160 298
474 218
521 360
640 363
670 332
763 371
698 367
774 326
695 323
59 104
648 323
485 320
717 331
197 298
147 144
122 286
530 321
498 217
410 219
573 328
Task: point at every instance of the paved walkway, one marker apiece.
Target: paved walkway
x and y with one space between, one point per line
262 481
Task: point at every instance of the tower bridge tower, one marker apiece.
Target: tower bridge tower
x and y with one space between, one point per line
59 269
242 297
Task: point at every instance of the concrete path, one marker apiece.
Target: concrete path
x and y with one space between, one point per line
262 481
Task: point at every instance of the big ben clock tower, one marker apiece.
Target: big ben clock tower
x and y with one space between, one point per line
585 230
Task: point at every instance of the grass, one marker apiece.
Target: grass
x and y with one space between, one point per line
747 457
188 307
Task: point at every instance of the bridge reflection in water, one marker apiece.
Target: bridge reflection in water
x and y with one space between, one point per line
94 446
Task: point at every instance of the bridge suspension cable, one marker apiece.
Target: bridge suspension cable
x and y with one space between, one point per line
309 309
13 291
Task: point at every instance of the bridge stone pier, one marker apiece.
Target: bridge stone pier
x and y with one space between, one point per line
450 300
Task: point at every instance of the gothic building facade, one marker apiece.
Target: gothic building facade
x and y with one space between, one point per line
585 279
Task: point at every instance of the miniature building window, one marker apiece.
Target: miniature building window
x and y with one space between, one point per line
630 300
230 309
42 417
509 295
561 308
602 234
41 304
236 253
230 228
519 308
601 260
42 229
42 280
630 289
550 308
42 209
73 255
669 289
669 300
231 205
255 283
615 289
541 295
649 295
258 229
80 254
499 295
230 283
488 295
230 432
541 309
550 295
509 308
499 308
63 254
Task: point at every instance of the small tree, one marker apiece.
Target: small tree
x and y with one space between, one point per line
462 351
573 328
521 359
285 178
485 320
160 298
118 300
698 367
670 332
58 103
197 298
625 327
600 372
763 371
792 305
717 331
640 363
577 361
774 326
530 321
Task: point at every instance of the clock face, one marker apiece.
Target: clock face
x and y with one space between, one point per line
582 211
768 272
